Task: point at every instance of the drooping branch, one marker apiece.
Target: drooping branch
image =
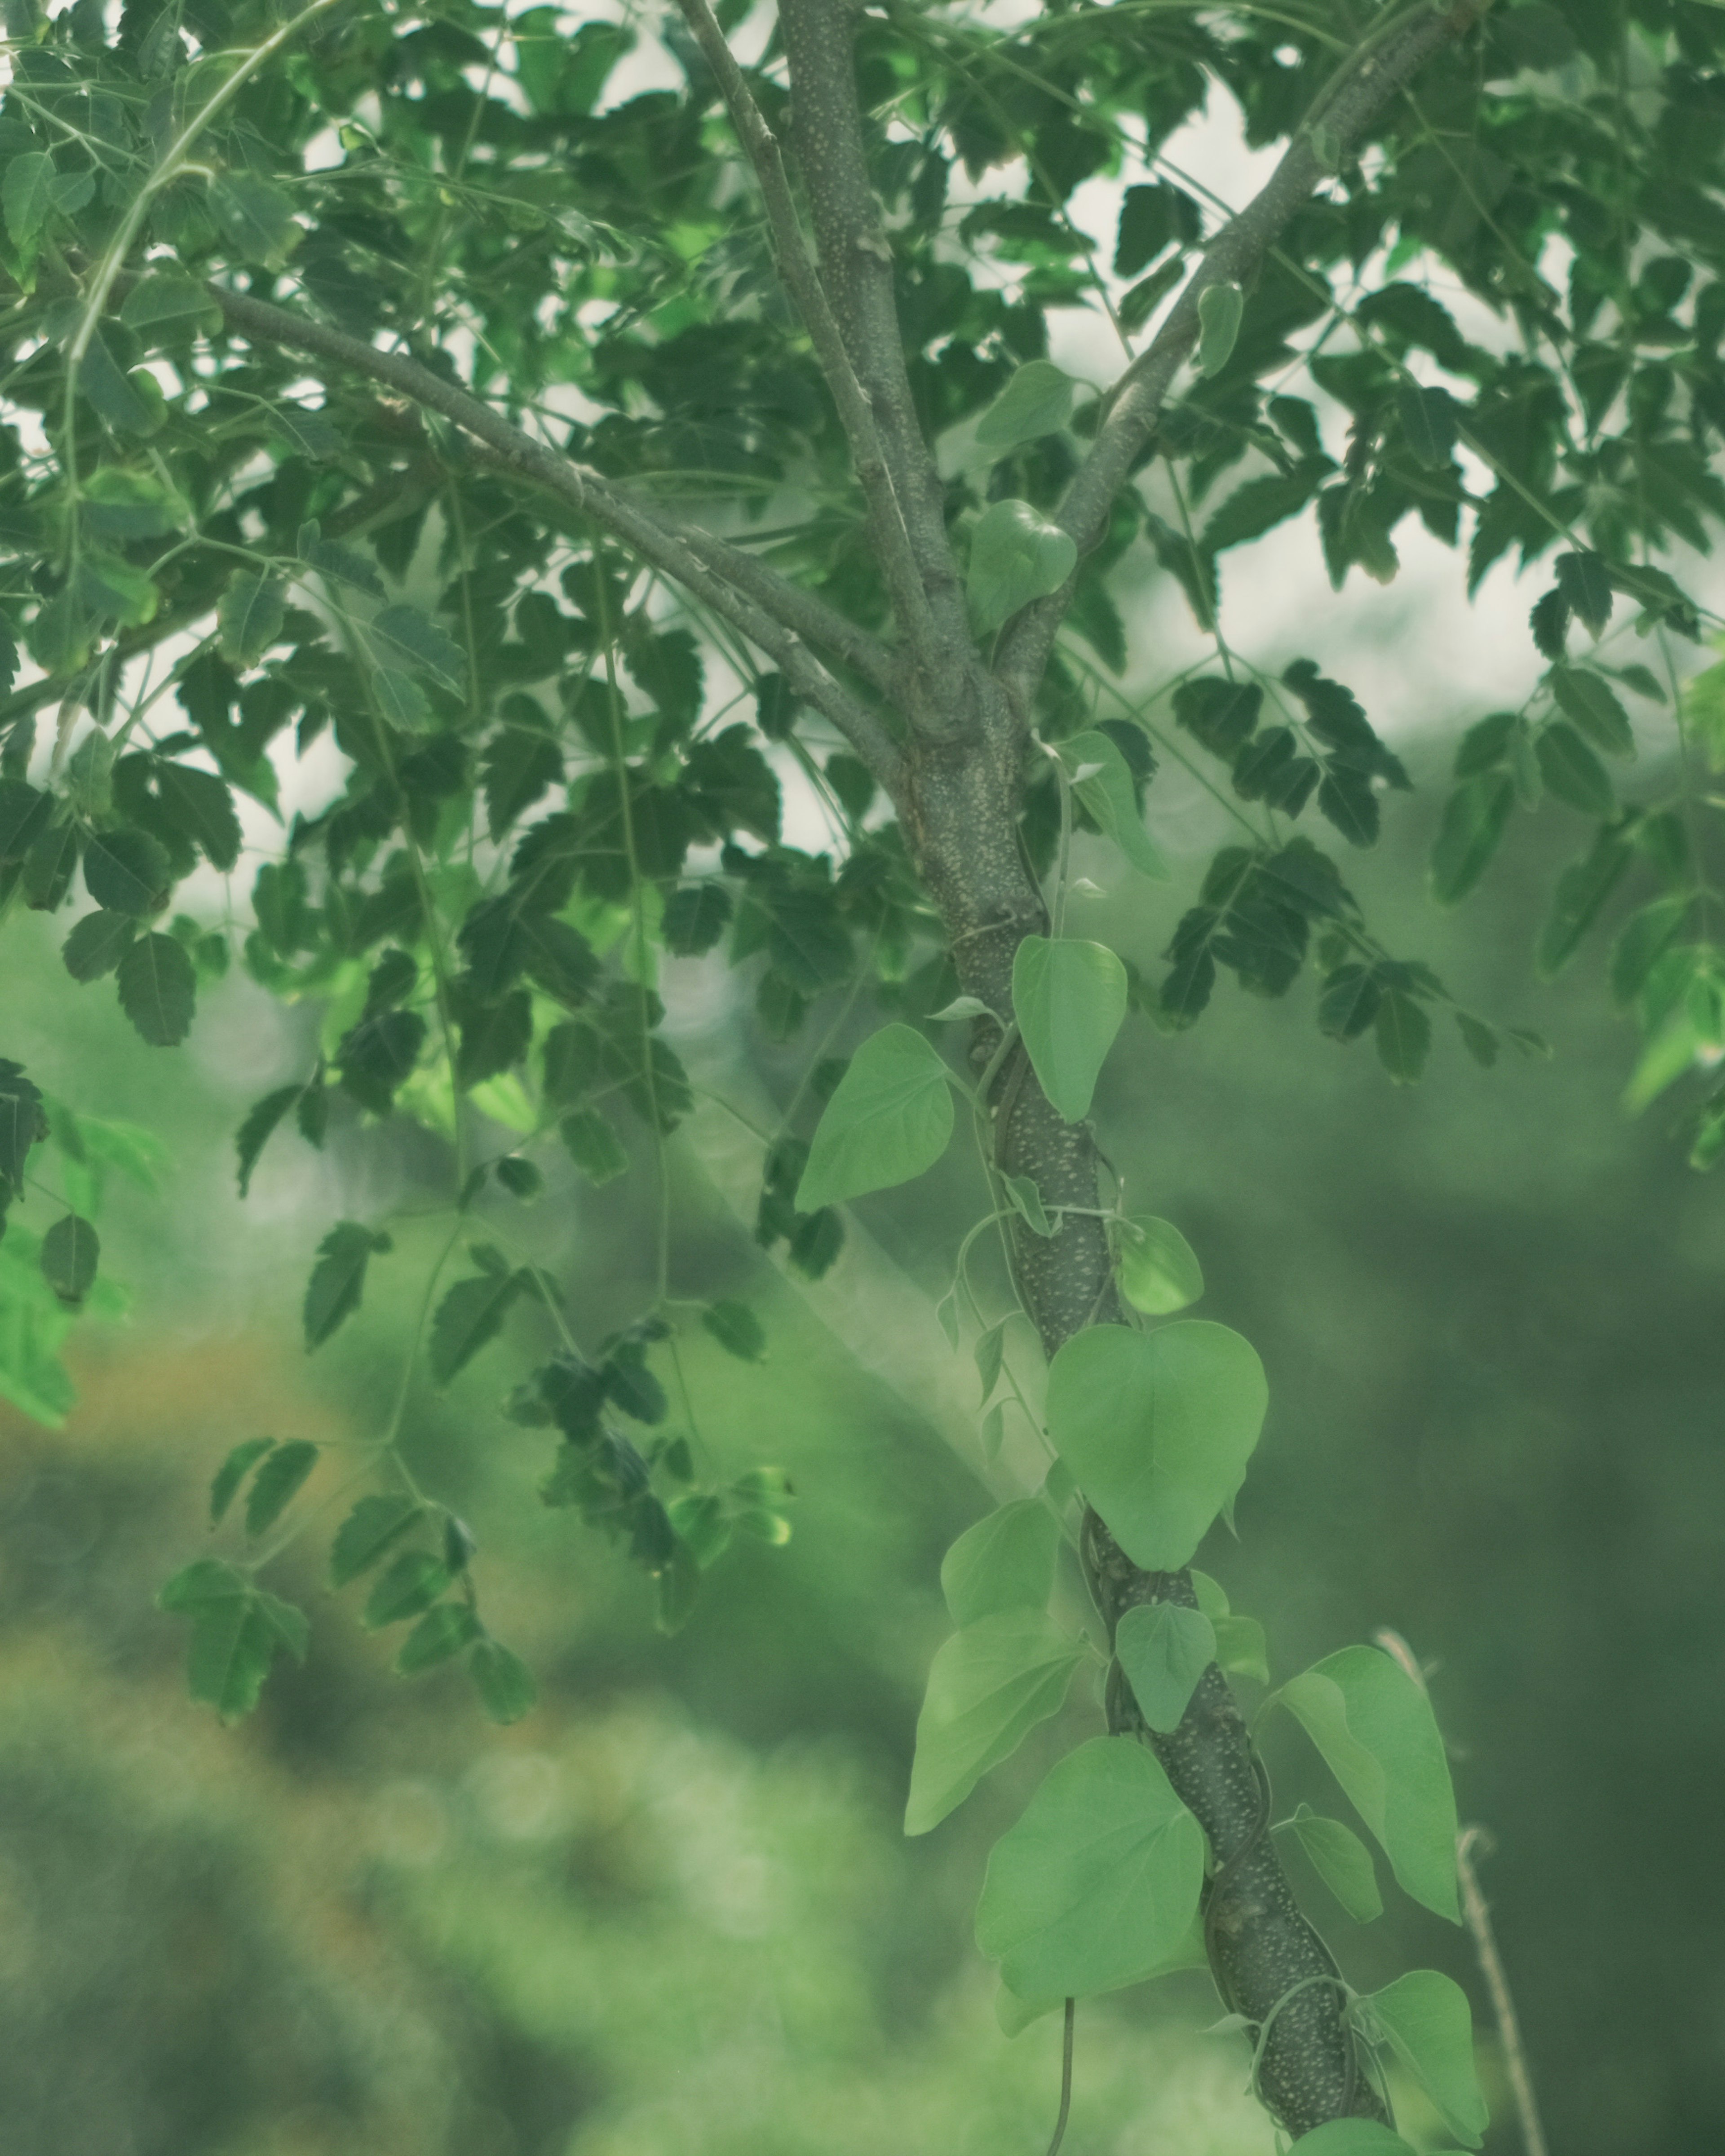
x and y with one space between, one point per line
1380 68
801 279
772 614
857 275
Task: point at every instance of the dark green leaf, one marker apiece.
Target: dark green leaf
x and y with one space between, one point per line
158 989
412 1583
593 1145
410 642
277 1483
249 617
1572 773
1590 701
368 1530
224 1485
1580 897
504 1681
695 917
338 1278
737 1329
440 1633
1474 819
97 944
1403 1034
197 804
471 1314
69 1253
126 872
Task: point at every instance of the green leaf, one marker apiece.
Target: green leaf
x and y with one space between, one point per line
505 1683
338 1278
277 1483
169 302
1240 1648
889 1119
158 989
1474 819
224 1484
261 1119
1097 1884
1404 1036
132 402
412 1583
1069 998
120 504
737 1329
440 1633
1642 941
97 944
593 1145
368 1530
26 195
1572 773
1111 798
1581 893
1037 401
989 1687
126 872
250 616
1340 1859
404 638
1159 1273
1373 1724
1157 1429
1004 1562
257 217
1590 701
67 1257
1016 556
401 701
1219 308
1585 583
1351 2137
470 1315
1164 1649
233 1643
1025 1200
199 806
1425 2017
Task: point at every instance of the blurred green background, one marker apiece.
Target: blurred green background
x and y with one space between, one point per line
671 1913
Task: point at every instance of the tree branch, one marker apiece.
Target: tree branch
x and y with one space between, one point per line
1377 72
856 277
772 614
797 273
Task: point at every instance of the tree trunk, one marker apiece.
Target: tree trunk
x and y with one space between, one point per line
1268 1961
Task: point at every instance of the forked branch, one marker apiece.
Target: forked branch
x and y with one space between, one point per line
774 615
1377 72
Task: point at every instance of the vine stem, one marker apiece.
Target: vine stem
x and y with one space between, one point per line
1059 2132
1477 1912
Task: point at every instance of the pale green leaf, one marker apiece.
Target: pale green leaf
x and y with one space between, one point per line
1425 2016
1164 1649
1158 1272
1374 1727
989 1687
1340 1859
1112 800
1016 556
26 194
1157 1429
889 1120
1219 308
250 616
1004 1562
1037 401
1070 999
1097 1884
1351 2137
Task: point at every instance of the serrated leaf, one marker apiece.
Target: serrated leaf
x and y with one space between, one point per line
470 1315
233 1643
158 989
278 1482
593 1145
338 1278
503 1680
254 1133
404 638
250 616
439 1633
412 1583
1572 773
257 217
1475 816
1037 401
401 701
224 1484
1579 898
97 944
889 1120
1585 583
1590 700
368 1530
989 1686
1070 1000
1097 1883
1157 1429
126 872
200 807
1164 1649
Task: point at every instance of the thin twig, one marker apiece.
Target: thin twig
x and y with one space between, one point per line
1059 2132
1478 1914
